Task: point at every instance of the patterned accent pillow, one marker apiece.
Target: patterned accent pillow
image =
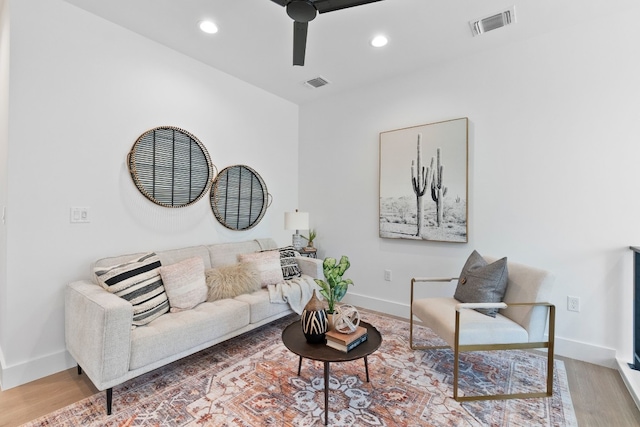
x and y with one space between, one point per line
288 262
268 264
137 281
482 282
185 284
232 280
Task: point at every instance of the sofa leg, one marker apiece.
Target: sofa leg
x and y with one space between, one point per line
109 398
79 370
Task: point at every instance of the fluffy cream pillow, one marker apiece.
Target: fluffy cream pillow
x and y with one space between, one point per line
267 263
232 280
184 283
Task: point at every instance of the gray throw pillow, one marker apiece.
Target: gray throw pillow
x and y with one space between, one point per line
482 282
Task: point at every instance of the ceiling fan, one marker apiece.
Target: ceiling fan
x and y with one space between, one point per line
304 11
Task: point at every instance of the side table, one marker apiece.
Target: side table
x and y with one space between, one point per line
308 252
294 340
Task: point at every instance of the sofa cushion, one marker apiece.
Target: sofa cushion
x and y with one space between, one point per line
267 263
184 283
261 307
139 282
176 333
480 281
288 262
475 327
232 280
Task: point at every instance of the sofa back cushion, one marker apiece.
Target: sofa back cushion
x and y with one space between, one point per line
215 255
227 253
167 257
174 256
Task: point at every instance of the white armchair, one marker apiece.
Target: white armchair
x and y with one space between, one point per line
521 322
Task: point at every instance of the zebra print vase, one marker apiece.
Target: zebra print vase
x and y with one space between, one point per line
314 320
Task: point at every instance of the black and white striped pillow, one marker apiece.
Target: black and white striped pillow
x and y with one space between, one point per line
290 268
139 282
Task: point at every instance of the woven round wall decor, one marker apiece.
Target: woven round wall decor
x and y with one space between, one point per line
239 197
170 167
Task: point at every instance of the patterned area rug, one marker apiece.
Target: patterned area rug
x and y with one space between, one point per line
252 381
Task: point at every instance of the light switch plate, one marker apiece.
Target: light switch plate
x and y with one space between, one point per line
80 215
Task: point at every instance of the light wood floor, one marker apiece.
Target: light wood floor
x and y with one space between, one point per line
599 396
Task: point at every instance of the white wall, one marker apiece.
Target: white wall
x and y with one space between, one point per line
4 143
553 179
82 91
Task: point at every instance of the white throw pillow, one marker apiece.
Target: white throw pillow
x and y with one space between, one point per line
185 283
268 264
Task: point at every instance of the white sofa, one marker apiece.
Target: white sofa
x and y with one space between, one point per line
98 324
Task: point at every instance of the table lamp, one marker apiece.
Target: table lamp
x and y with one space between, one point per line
296 221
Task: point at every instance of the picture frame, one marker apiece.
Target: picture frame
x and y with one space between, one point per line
424 182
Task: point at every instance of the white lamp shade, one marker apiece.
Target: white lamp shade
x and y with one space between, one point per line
296 220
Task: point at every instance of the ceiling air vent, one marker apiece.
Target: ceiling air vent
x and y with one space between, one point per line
316 82
493 21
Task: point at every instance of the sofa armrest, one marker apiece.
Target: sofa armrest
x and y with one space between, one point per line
98 331
311 267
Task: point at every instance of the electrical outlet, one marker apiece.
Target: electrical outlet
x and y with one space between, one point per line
573 303
387 275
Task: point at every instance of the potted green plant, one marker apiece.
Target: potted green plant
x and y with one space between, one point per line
311 238
335 287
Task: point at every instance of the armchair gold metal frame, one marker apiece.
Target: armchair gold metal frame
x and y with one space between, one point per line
459 348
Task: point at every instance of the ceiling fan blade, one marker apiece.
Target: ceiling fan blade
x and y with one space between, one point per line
331 5
281 2
299 41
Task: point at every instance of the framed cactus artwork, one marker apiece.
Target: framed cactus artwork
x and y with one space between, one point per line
424 182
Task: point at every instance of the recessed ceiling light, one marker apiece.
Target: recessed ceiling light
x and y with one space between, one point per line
379 41
208 27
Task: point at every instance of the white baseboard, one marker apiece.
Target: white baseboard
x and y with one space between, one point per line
388 307
590 353
563 347
22 373
631 379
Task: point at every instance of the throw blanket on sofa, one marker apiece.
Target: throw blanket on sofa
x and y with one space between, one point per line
295 292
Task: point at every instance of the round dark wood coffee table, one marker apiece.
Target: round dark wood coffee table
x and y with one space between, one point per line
294 340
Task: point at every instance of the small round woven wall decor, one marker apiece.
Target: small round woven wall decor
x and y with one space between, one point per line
170 166
239 197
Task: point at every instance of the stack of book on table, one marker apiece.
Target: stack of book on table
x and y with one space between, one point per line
346 342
